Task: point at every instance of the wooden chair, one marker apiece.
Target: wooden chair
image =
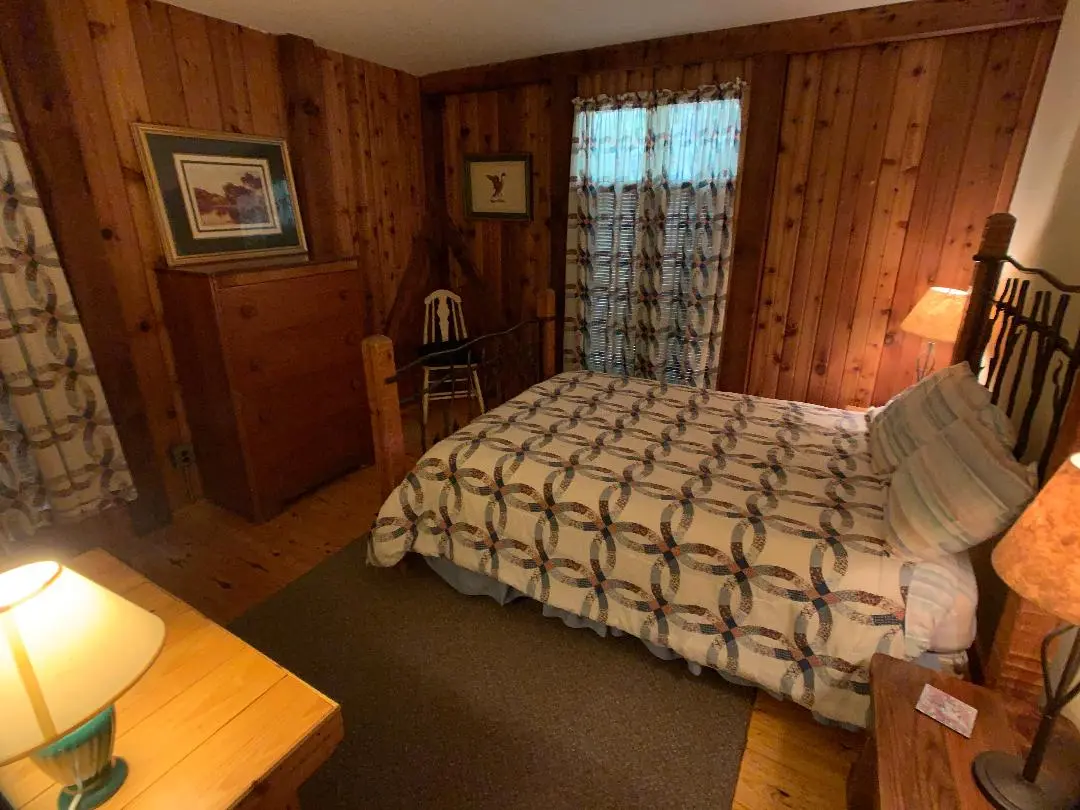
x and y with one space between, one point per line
444 330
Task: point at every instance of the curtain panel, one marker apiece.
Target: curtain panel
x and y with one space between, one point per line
60 457
652 188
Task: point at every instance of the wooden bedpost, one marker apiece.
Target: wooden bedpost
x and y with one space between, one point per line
385 407
545 308
971 342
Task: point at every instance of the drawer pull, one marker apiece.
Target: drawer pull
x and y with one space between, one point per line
343 295
352 339
248 311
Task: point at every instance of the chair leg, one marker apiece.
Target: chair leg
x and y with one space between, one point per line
424 403
476 388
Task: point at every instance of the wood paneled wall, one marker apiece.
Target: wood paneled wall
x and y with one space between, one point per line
892 155
511 258
514 259
891 158
354 127
113 62
875 150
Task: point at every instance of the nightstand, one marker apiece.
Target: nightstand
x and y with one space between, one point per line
213 723
911 761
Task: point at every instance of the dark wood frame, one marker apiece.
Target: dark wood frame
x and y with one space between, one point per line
504 157
1000 334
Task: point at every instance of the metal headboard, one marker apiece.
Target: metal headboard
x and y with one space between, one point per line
1016 335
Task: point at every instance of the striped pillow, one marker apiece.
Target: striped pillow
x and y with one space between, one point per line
954 493
916 415
940 614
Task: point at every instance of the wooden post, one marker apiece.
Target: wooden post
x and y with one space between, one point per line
310 142
40 100
971 342
545 308
563 90
387 435
761 139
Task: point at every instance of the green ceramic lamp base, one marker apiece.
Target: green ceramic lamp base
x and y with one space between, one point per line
97 792
83 761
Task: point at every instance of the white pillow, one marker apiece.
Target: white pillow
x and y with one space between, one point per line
955 492
917 414
941 606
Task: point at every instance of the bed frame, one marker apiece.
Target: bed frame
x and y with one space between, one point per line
1013 335
512 358
1017 333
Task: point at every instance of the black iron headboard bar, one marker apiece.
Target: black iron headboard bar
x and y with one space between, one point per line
1045 275
1016 334
1030 350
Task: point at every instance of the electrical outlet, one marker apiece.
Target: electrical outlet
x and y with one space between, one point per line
183 455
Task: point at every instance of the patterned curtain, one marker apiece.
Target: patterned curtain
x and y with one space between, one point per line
60 458
651 193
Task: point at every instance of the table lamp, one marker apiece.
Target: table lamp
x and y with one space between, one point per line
68 649
1039 558
936 318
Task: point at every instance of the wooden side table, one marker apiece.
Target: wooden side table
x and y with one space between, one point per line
911 761
214 723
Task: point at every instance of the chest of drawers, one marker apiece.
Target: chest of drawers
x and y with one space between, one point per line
271 372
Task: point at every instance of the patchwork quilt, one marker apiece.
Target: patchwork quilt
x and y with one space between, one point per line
743 533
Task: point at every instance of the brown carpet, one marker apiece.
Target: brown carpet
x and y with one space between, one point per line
453 701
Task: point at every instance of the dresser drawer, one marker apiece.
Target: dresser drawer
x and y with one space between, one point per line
252 311
286 355
302 433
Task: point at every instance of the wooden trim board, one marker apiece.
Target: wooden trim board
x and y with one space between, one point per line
842 29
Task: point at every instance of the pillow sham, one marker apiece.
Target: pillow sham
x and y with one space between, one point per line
955 492
941 606
917 414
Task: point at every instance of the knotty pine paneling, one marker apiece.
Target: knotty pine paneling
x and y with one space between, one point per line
122 61
512 258
891 157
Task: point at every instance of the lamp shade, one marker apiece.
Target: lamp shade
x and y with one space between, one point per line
1039 558
68 649
938 314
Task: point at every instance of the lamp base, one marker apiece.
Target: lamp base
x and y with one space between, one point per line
83 761
1000 777
96 792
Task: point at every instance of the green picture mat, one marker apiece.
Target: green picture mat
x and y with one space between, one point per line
163 147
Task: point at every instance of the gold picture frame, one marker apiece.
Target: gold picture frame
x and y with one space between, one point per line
220 195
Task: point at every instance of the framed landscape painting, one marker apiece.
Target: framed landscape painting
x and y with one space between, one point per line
498 186
219 195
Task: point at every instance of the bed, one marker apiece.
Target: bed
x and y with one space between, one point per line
742 534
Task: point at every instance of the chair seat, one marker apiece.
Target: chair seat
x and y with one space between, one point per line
455 354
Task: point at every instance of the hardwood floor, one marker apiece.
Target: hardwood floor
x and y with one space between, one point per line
222 565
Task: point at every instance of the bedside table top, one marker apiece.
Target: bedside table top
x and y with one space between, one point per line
921 763
213 723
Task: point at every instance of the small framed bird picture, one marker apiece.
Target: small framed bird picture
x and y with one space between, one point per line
498 186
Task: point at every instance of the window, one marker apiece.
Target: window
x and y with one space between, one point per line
652 188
